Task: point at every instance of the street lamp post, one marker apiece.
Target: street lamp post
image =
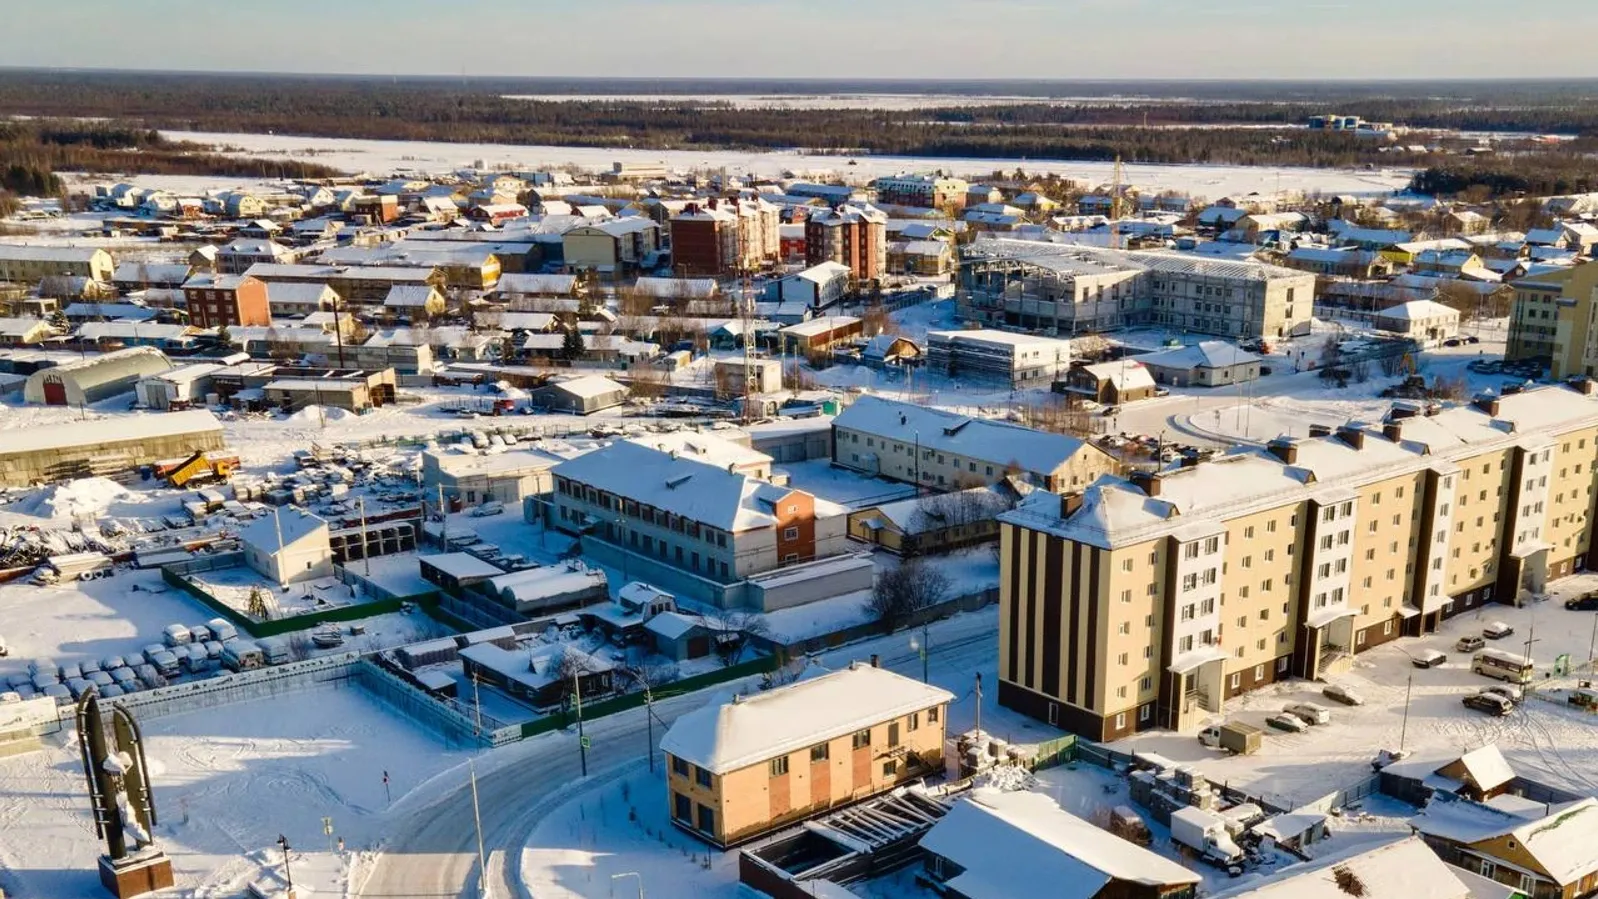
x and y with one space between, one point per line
287 874
634 875
1403 731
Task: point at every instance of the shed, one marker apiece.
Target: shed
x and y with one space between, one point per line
679 636
581 396
290 545
89 380
1209 363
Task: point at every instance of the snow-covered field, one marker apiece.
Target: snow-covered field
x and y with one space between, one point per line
381 157
228 781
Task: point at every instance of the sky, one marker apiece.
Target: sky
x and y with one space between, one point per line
1065 39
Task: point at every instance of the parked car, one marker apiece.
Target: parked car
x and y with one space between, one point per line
1470 643
1490 703
1309 712
1343 695
1588 603
1497 630
1428 658
1509 691
487 509
1162 391
1289 723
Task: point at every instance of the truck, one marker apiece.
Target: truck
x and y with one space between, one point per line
274 650
1205 833
242 655
85 566
1234 737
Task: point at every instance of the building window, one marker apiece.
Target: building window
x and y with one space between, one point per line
893 734
1120 721
779 766
702 777
790 533
932 715
679 767
682 808
707 820
890 768
862 739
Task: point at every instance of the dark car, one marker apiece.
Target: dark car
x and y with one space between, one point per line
1489 703
1588 603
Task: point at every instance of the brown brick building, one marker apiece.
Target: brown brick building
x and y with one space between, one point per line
217 300
856 236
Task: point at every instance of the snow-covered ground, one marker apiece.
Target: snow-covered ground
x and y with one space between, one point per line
381 157
227 782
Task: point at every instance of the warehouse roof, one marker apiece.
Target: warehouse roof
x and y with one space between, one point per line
973 438
128 428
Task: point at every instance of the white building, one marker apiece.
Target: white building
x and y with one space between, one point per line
1020 360
1426 321
288 546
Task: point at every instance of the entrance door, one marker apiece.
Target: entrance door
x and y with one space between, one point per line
55 392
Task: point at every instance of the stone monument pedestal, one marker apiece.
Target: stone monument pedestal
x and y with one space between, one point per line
144 872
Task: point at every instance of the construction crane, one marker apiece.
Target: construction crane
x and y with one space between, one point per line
746 318
1115 206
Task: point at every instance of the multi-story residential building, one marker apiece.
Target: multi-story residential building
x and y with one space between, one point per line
755 764
926 191
226 300
688 509
26 264
237 257
856 236
1148 601
704 241
1003 357
947 451
617 248
1065 289
1552 321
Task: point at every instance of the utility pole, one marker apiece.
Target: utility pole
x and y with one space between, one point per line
477 817
649 722
1593 643
287 874
582 741
1404 728
979 703
366 546
925 648
1531 637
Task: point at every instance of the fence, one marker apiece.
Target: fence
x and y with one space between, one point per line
457 727
1052 753
177 574
242 686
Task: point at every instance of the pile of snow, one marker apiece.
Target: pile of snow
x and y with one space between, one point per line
89 497
319 414
1005 778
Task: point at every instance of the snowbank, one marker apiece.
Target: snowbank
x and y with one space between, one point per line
85 497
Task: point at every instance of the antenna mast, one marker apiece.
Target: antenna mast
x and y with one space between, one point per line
746 316
1115 206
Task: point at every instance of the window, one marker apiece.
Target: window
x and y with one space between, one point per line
915 721
862 739
893 735
890 768
1126 564
932 715
779 766
790 533
1125 627
682 808
1146 684
702 777
1126 596
707 820
819 752
1121 660
1237 681
679 767
1120 721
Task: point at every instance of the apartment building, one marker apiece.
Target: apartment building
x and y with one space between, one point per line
856 236
925 191
1552 321
946 451
354 284
1064 289
750 766
1001 357
1149 601
236 258
617 248
725 237
692 508
226 300
25 264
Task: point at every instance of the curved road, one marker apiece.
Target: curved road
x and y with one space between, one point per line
432 850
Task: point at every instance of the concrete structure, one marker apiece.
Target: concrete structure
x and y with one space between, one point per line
1066 289
998 845
946 451
288 546
1001 357
923 191
856 236
724 237
1208 363
818 286
1114 599
93 378
1426 322
733 378
215 301
25 264
1552 321
750 766
615 249
692 515
49 453
473 478
581 396
1111 383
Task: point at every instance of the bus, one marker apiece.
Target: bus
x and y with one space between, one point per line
1506 666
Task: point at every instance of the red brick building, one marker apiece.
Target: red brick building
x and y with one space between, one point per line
856 236
217 300
704 241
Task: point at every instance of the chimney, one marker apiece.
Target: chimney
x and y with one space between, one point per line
1401 411
1587 386
1394 430
1147 481
1284 449
876 661
1069 504
1486 402
1320 431
1354 437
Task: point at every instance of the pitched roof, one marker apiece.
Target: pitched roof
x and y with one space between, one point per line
1125 374
589 386
293 523
1204 354
1418 309
949 432
743 732
1565 843
409 295
1024 844
1402 869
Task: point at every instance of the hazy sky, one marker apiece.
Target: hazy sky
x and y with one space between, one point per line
1360 39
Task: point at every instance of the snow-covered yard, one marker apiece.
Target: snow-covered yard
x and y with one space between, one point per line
80 620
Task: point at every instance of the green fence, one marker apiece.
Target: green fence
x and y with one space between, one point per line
277 626
627 701
1055 752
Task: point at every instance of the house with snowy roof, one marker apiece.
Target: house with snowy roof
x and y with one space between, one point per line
1208 363
742 768
288 546
1545 852
1113 383
1003 845
1401 869
1427 322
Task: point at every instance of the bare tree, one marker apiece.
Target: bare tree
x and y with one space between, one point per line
1360 371
794 377
1456 389
787 673
960 508
649 672
647 383
731 630
902 591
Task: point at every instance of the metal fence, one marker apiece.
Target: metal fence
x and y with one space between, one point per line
243 686
458 728
1052 753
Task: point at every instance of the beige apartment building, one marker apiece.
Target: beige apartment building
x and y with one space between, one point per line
1552 320
26 264
758 763
1149 601
943 450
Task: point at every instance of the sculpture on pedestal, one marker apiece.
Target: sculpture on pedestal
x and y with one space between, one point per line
121 800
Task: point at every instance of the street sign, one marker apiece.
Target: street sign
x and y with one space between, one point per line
587 744
327 826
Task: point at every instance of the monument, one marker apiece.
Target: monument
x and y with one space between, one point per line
119 793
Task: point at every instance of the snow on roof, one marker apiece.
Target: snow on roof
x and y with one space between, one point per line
707 448
1402 869
675 288
296 292
589 387
1487 767
1024 844
1125 374
284 527
157 272
816 327
409 295
734 735
20 327
973 438
134 330
1483 887
672 625
31 253
461 565
543 582
991 337
705 493
127 311
96 431
1204 354
1416 310
521 283
533 669
824 272
1565 843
